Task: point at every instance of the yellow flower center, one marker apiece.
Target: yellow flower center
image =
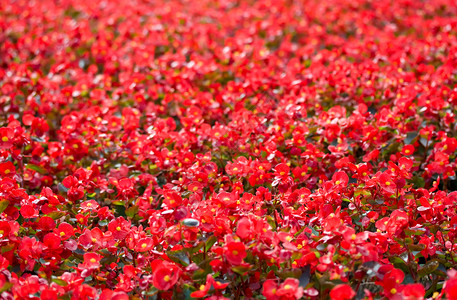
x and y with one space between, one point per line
5 139
166 278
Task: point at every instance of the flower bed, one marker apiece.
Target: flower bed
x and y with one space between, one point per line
270 149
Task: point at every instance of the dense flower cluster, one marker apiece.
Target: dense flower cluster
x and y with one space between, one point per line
228 149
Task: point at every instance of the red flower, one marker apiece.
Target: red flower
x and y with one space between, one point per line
408 150
234 169
340 179
28 212
144 244
203 290
270 289
387 184
372 156
126 188
391 282
195 187
5 229
7 169
244 229
52 240
91 261
282 170
398 220
450 286
235 252
165 275
342 292
290 289
119 228
89 206
413 292
46 223
65 231
112 295
70 181
91 238
6 138
226 199
172 199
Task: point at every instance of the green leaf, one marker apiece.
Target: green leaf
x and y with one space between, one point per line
103 222
36 168
199 259
62 188
56 214
409 241
418 247
271 221
196 248
3 205
60 281
179 257
131 211
415 231
305 276
400 264
419 182
362 192
241 269
6 286
120 209
210 242
7 248
189 222
429 268
289 273
199 274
